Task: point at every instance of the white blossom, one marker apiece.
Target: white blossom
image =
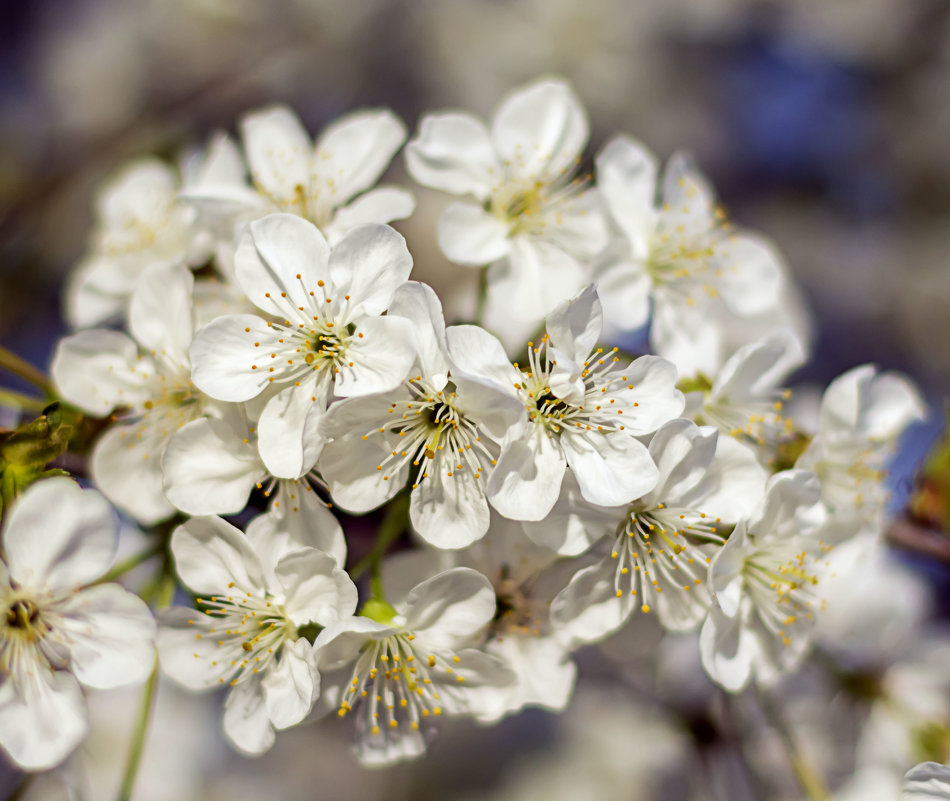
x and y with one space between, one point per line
526 211
257 591
58 628
322 331
928 781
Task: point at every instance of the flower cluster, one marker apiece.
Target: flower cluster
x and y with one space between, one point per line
267 354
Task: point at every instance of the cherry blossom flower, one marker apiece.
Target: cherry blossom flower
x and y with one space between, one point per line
329 183
657 549
928 781
441 429
59 629
257 591
322 332
584 412
527 212
399 666
147 377
679 259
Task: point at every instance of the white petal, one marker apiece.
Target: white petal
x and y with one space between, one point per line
928 781
611 470
369 264
280 259
127 466
527 479
751 274
475 352
588 608
209 470
381 205
786 494
160 312
99 370
471 236
59 536
380 360
278 152
225 362
419 304
349 465
540 129
40 730
352 153
188 654
449 512
298 517
654 388
246 722
574 326
624 287
340 643
110 633
315 589
288 430
454 153
98 291
687 336
450 607
292 685
573 525
626 178
728 650
210 554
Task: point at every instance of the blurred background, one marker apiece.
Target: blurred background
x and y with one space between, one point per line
824 124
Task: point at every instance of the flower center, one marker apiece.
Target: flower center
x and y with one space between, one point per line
22 614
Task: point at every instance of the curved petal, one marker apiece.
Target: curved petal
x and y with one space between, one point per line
453 152
98 291
160 312
209 470
368 265
527 479
288 433
110 634
340 643
211 554
127 466
298 518
928 781
419 304
449 511
381 355
292 685
315 589
588 608
225 355
187 654
381 205
471 236
59 536
752 274
40 728
450 607
350 466
574 326
626 177
278 153
475 352
246 722
624 287
280 260
99 370
540 129
352 153
728 650
611 470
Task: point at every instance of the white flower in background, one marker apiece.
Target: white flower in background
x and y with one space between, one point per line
398 667
323 332
745 399
764 583
147 377
139 223
528 212
680 257
656 550
525 578
862 414
584 412
441 430
56 631
928 781
257 591
329 183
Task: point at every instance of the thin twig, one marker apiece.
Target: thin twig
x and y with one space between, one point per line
138 737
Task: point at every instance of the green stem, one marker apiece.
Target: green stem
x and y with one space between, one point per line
482 296
126 565
14 364
809 779
13 399
138 737
392 526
